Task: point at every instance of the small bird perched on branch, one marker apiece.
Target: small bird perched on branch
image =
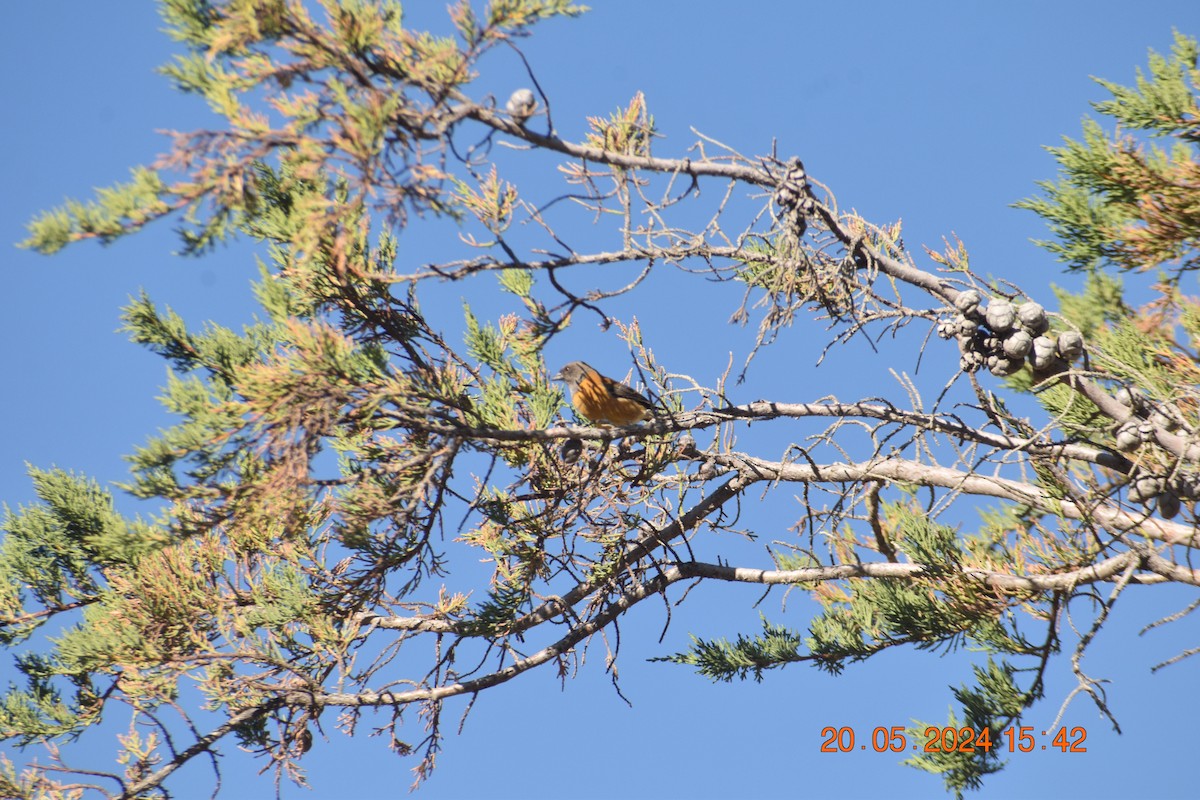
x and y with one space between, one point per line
521 106
601 399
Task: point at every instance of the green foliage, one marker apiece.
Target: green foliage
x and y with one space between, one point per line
722 660
1102 302
1130 356
195 73
218 351
52 550
39 711
492 203
114 212
628 130
1164 103
993 704
1120 204
189 21
940 609
1083 219
495 615
520 14
512 350
231 56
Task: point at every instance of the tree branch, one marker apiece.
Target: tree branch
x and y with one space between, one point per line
1103 571
914 472
203 744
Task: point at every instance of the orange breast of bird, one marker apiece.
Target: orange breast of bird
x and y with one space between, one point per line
601 401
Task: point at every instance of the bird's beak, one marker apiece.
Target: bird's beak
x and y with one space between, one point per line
558 376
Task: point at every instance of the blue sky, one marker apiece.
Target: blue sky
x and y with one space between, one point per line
931 112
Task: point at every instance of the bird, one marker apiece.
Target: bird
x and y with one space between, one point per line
602 399
521 106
